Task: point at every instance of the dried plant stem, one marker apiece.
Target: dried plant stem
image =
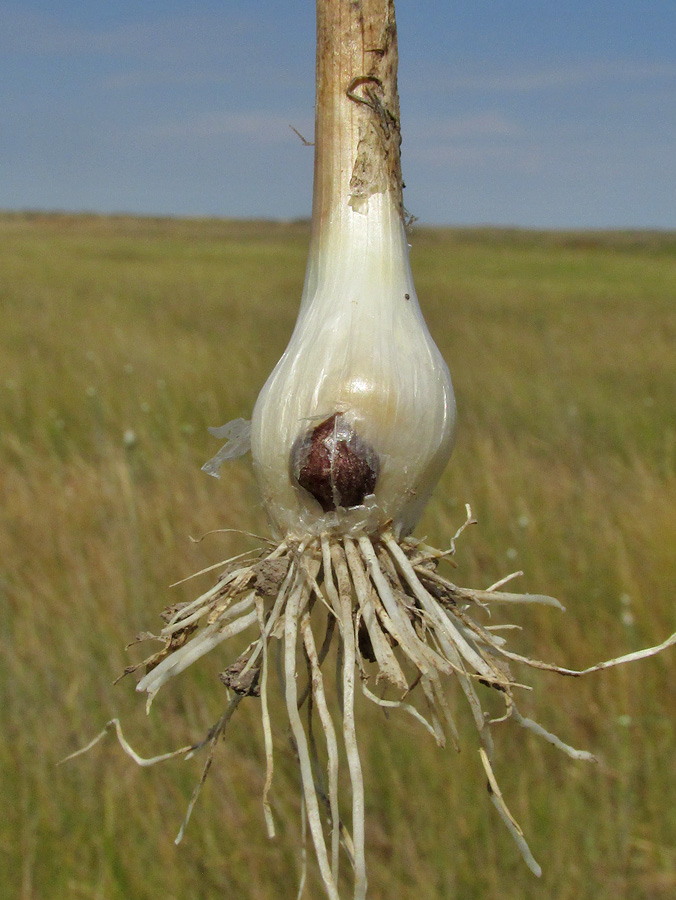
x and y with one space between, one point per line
357 131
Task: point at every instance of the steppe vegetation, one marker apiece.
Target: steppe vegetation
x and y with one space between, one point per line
121 340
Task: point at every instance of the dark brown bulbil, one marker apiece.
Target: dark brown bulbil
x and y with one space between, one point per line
335 465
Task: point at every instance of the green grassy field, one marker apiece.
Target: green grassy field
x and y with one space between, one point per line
121 339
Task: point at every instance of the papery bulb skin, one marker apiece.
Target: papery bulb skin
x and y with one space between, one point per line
360 350
360 355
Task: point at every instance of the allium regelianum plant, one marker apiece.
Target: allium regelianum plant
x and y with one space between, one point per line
349 436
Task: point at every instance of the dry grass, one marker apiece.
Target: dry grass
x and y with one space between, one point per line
561 347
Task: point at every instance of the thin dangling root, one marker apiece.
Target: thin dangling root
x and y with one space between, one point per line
349 730
267 729
294 608
331 742
400 622
512 825
128 749
215 733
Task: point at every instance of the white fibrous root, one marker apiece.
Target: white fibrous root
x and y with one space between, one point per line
349 437
396 626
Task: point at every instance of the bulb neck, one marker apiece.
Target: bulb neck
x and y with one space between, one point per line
357 131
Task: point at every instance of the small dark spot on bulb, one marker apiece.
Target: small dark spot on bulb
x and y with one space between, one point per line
335 465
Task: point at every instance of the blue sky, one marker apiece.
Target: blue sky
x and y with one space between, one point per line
535 114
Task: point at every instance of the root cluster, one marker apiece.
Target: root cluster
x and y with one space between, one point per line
400 628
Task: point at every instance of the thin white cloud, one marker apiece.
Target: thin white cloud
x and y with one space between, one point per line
574 74
475 140
574 151
167 38
259 127
480 156
184 77
476 125
529 134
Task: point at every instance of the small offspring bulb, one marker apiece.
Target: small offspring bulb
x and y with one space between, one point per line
334 465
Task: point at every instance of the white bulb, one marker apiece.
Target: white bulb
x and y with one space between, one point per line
360 357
